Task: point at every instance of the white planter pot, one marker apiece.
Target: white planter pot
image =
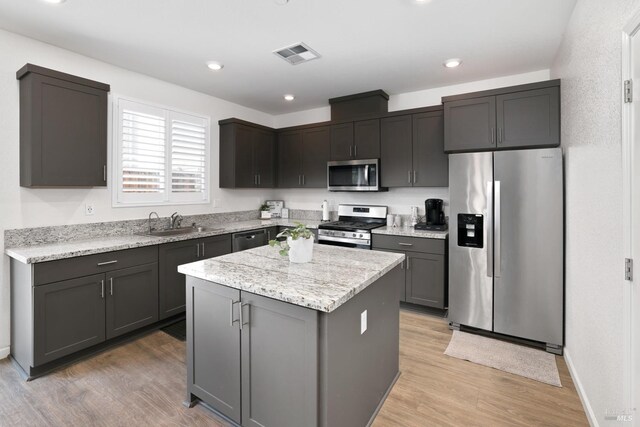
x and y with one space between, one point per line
265 215
300 250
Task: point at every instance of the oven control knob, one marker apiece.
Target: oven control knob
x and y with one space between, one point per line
354 235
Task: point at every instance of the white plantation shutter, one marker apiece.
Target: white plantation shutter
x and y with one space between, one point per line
161 156
189 155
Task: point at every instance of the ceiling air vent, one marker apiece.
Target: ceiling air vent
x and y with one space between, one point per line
297 53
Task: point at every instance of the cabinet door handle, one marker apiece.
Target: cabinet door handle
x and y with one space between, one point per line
415 175
268 235
405 244
100 264
231 304
408 267
351 151
299 179
303 180
492 135
259 179
355 151
111 286
102 289
202 249
198 249
409 176
104 173
500 135
242 322
402 265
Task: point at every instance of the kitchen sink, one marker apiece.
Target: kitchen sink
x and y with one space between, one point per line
180 231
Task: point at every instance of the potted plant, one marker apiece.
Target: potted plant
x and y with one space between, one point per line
299 243
265 213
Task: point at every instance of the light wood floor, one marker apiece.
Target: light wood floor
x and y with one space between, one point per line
143 384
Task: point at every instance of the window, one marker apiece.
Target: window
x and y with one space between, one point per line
161 156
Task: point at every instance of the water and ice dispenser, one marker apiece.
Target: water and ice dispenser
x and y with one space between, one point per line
470 230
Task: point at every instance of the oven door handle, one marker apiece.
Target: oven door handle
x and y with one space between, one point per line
322 238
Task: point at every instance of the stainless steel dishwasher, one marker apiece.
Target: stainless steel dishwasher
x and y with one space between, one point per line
249 239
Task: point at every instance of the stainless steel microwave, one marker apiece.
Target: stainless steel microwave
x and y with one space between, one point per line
354 175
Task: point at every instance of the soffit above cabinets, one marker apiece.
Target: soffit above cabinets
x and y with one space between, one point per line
397 45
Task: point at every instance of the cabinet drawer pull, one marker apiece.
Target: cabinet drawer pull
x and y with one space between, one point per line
231 304
405 244
102 289
100 264
111 286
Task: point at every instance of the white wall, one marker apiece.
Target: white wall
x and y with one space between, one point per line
401 199
22 207
588 62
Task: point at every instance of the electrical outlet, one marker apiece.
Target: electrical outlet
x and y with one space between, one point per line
363 322
216 203
89 209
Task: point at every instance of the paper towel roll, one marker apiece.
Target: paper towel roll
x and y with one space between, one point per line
325 210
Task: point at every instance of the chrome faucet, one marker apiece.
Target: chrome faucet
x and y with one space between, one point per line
157 216
176 220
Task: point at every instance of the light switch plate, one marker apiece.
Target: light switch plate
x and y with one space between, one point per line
363 322
89 209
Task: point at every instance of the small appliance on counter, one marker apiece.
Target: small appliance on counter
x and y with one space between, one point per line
434 216
325 211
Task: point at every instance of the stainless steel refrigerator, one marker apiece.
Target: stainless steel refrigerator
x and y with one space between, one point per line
506 270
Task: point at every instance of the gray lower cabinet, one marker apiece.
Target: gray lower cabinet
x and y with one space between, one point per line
132 299
61 307
68 316
260 367
424 280
171 296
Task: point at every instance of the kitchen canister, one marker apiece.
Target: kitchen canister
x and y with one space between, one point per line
390 220
397 221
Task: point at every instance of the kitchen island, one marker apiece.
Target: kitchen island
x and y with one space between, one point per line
270 343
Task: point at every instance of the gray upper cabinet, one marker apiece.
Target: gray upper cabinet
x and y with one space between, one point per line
526 116
171 299
303 156
430 162
412 151
63 129
132 299
396 160
470 124
356 140
529 119
366 144
68 316
247 155
342 141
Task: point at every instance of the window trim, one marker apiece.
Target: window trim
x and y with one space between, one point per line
120 199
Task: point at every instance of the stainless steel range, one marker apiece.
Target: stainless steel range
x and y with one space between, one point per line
354 225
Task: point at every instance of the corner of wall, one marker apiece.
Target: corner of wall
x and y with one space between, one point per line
588 409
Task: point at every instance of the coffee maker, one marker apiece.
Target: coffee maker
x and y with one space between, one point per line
434 217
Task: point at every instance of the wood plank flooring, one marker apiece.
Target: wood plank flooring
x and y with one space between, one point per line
142 383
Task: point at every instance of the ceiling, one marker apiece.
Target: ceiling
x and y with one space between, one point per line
394 45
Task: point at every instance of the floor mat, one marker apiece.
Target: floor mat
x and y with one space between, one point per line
516 359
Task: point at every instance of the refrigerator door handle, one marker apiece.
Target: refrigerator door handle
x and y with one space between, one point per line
489 227
496 244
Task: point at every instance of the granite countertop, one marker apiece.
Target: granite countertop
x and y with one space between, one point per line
335 274
95 245
411 232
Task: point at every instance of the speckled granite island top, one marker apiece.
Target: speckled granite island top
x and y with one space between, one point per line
334 275
411 232
96 245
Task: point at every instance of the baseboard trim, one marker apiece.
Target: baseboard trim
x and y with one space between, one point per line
4 352
588 409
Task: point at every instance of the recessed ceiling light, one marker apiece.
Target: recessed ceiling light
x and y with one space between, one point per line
422 1
452 63
54 1
289 97
214 65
